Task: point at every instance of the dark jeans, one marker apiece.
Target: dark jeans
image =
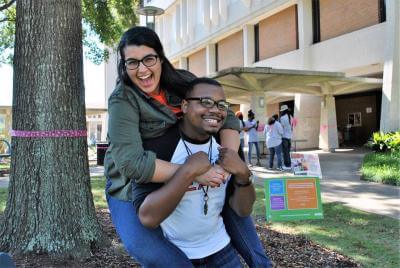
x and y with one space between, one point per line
278 151
151 249
257 151
286 144
225 258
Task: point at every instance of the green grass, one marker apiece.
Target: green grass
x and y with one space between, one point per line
369 239
382 167
3 198
99 197
98 185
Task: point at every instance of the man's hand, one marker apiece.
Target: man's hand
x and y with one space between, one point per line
198 163
215 176
231 162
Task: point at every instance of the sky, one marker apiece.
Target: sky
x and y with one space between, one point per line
94 85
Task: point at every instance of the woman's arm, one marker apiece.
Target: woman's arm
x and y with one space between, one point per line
243 197
165 170
230 138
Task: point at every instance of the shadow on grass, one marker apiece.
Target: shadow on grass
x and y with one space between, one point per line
370 239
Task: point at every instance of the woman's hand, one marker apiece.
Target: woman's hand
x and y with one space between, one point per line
231 162
213 177
198 163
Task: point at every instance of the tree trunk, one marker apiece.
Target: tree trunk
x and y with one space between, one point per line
50 205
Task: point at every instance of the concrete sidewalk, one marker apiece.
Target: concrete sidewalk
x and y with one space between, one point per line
340 182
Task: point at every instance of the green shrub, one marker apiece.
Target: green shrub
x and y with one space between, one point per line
382 142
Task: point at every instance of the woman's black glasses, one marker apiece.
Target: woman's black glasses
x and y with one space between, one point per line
209 103
148 61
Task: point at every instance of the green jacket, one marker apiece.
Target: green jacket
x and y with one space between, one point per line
134 116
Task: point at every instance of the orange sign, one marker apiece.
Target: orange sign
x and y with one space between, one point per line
302 194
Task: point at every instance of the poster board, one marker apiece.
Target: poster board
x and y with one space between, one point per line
293 198
306 164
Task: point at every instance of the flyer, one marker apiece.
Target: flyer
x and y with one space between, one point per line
306 164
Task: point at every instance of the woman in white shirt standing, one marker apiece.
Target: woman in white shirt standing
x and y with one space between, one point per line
273 136
286 122
251 129
239 116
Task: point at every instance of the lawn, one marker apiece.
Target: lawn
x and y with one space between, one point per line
382 167
369 239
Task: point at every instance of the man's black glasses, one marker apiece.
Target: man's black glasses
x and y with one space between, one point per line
209 103
148 61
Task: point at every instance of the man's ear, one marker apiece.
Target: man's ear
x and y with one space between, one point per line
184 106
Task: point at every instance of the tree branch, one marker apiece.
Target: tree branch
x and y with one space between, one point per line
6 19
5 6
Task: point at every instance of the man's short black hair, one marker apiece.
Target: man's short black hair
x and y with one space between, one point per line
201 80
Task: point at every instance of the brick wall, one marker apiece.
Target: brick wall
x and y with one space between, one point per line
338 17
278 33
230 51
197 63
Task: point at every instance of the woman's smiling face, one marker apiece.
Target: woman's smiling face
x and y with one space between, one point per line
146 78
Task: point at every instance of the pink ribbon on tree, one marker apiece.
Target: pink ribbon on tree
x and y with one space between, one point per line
48 133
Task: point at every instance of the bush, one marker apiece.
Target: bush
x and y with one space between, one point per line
382 142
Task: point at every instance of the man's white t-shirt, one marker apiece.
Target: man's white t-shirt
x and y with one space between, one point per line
196 234
287 127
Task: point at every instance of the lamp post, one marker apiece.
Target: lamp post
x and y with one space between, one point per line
150 12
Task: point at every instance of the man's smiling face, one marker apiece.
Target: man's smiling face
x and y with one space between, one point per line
200 121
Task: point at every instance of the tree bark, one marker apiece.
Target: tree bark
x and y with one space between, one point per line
50 205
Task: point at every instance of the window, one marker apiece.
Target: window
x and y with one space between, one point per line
382 11
256 43
216 57
316 21
354 119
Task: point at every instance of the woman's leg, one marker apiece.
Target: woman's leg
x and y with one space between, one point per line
278 150
244 238
271 156
147 246
258 153
249 152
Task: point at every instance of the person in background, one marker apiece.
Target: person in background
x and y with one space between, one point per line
286 122
273 136
251 130
239 116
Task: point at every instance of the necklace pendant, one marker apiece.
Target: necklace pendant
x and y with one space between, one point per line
205 208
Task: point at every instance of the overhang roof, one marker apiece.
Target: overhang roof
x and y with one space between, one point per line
238 82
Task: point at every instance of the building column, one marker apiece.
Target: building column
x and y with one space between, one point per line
211 66
183 63
248 45
328 138
390 113
305 31
257 105
307 116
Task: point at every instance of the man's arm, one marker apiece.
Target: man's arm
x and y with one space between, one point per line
244 194
158 205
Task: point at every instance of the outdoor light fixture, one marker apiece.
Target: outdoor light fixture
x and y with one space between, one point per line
150 12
